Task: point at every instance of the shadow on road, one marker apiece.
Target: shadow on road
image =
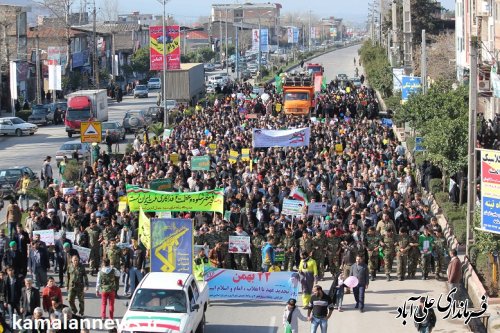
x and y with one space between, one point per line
239 328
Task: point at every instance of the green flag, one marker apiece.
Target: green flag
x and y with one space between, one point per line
323 84
278 83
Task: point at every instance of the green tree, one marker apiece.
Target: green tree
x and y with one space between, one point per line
140 60
441 118
377 67
425 15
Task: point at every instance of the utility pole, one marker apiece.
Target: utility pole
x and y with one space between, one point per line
38 71
164 54
260 54
309 45
227 55
423 64
220 36
395 42
471 171
94 59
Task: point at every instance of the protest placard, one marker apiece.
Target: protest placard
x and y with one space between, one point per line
292 207
83 252
46 236
239 244
317 208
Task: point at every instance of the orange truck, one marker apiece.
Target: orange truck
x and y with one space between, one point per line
298 94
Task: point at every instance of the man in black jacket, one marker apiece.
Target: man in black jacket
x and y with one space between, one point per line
15 259
30 298
13 287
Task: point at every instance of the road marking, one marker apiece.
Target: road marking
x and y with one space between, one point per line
271 324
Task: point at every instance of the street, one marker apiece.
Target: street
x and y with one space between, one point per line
382 298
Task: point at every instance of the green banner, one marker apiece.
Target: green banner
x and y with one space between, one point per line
200 163
161 185
158 201
278 82
279 254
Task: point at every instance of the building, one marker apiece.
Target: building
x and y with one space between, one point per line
485 25
333 28
138 18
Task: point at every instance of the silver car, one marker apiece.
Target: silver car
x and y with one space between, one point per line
141 90
70 147
16 126
116 130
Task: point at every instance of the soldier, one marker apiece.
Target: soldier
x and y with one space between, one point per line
257 244
277 238
403 247
413 255
349 256
288 244
76 283
113 254
305 243
439 250
94 233
389 245
319 253
372 246
211 237
425 244
224 238
332 252
240 259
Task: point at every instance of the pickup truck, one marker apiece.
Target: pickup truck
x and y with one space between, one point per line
167 302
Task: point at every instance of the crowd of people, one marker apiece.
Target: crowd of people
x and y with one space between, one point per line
353 163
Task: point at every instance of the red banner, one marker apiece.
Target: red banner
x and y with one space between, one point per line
318 79
172 43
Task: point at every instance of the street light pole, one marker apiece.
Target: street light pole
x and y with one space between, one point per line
164 53
227 67
260 54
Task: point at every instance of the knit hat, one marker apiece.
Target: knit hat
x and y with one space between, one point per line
67 244
12 243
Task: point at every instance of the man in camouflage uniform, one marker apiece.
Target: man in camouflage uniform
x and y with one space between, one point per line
257 244
389 245
113 254
224 238
76 282
94 233
403 247
288 243
372 246
413 255
272 232
306 243
439 249
319 253
332 252
210 238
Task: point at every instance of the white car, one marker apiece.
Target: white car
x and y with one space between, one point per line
167 302
69 147
154 83
16 126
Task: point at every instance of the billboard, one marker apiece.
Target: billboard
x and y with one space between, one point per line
410 85
58 54
397 77
490 190
172 44
264 40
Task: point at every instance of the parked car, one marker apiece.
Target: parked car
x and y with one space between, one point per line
9 180
342 77
116 130
134 120
16 126
141 90
41 114
68 149
356 82
154 83
210 88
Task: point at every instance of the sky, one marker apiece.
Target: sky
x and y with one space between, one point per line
189 10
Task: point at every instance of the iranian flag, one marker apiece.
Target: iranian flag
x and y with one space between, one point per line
298 194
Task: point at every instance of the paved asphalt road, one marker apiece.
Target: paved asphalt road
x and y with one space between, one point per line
382 298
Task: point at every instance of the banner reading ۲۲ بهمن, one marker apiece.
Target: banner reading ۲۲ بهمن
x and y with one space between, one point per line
158 201
255 286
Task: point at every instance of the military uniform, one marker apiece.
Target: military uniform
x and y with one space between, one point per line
288 243
257 244
94 258
306 244
403 247
439 251
413 256
76 281
113 254
319 253
372 246
224 238
211 238
332 252
389 242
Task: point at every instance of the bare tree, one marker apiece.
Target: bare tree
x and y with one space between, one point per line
61 10
109 10
440 57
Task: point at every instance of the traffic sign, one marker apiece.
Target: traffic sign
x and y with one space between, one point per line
419 144
90 131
